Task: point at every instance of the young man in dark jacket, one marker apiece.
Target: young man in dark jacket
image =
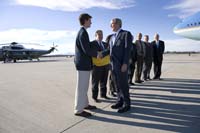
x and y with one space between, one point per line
83 64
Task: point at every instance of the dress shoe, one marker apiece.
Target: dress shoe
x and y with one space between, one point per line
131 83
84 114
157 78
154 77
124 109
105 97
90 107
113 94
97 100
139 81
148 78
116 106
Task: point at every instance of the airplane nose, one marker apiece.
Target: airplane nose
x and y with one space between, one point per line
176 28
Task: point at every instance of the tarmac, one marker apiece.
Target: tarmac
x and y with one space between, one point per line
38 97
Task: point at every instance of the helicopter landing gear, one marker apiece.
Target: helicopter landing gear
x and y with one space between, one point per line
5 60
30 59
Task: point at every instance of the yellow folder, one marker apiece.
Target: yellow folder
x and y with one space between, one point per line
101 62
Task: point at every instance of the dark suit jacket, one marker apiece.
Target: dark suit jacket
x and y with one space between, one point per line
83 51
107 50
140 46
148 52
133 53
158 51
95 45
121 49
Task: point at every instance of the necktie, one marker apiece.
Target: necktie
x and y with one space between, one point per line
101 45
157 44
114 37
141 45
112 42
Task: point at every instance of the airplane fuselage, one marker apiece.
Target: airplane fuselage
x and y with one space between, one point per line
189 27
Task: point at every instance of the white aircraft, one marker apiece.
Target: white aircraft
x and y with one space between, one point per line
189 27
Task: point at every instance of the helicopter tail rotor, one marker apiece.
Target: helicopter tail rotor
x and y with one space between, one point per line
54 47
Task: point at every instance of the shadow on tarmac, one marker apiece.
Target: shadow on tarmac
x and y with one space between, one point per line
168 112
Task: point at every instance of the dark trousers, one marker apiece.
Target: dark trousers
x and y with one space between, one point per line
131 72
99 77
139 66
112 84
157 69
147 69
121 81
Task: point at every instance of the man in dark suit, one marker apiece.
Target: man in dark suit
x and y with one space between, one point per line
140 58
148 57
158 50
119 55
132 61
100 68
83 64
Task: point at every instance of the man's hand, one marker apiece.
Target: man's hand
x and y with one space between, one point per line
99 55
124 68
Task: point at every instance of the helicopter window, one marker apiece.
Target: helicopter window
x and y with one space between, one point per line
4 47
16 47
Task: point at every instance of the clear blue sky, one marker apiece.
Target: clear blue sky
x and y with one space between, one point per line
49 21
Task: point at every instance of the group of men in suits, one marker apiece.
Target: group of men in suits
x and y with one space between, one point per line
146 53
118 48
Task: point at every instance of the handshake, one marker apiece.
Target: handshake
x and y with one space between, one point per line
99 55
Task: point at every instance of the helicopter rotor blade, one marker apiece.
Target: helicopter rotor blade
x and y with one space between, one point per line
15 43
37 44
5 44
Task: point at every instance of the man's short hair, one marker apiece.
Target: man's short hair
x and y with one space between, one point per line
83 17
98 31
118 21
